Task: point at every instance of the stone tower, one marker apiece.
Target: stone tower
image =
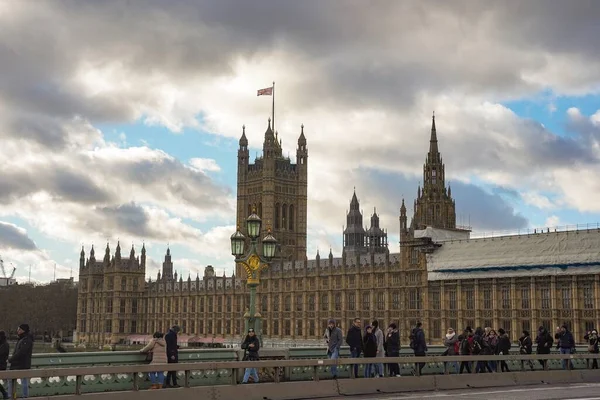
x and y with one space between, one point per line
277 190
110 296
434 205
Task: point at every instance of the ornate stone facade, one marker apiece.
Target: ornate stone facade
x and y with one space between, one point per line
297 296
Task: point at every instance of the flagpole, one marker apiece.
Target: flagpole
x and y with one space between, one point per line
273 109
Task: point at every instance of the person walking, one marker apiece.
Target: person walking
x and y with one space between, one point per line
21 357
334 343
592 338
526 347
566 344
452 345
158 349
4 352
380 350
251 347
392 348
370 349
544 341
172 355
418 344
355 342
503 348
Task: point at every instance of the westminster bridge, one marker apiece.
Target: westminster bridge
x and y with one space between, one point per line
294 373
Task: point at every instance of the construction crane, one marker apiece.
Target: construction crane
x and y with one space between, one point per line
3 270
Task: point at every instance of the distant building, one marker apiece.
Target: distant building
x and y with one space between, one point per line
440 277
5 282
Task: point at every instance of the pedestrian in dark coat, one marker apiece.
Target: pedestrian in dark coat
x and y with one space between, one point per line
21 357
172 355
4 351
392 348
251 347
370 350
503 348
544 341
355 342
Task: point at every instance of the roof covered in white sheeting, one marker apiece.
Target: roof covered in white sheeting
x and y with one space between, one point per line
555 253
439 235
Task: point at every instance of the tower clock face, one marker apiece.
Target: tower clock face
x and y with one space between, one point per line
254 263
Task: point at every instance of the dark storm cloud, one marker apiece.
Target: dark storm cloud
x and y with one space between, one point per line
484 210
358 54
64 183
127 218
12 237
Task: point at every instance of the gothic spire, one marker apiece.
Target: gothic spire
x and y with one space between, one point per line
302 138
433 142
354 205
243 139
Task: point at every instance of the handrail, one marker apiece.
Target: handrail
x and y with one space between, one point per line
135 368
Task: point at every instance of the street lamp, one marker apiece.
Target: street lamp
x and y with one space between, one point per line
253 263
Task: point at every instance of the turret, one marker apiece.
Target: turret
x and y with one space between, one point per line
270 144
143 259
168 265
82 259
92 256
243 156
118 252
302 150
107 254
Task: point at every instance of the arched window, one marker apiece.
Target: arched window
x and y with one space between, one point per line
123 284
283 216
277 215
276 303
291 218
288 303
249 209
260 210
263 304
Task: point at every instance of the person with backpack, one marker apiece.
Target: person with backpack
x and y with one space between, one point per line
525 346
544 341
418 344
452 345
157 352
592 338
481 348
492 340
503 348
465 348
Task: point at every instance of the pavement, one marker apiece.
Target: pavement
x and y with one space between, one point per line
580 391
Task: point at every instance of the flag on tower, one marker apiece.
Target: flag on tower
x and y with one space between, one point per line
265 92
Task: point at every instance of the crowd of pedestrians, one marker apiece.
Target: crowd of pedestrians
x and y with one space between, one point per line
374 345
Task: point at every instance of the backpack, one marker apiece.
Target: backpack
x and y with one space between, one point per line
457 347
476 347
412 339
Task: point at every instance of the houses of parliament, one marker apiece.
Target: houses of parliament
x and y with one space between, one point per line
440 276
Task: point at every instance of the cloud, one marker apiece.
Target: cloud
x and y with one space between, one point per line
363 80
14 237
205 164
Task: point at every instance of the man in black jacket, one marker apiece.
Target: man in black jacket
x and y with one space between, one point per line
4 352
355 341
21 358
172 355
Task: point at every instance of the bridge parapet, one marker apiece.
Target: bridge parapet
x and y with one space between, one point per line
222 377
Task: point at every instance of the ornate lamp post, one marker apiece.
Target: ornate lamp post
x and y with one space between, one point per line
253 263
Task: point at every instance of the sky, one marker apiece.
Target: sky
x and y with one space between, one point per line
120 121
